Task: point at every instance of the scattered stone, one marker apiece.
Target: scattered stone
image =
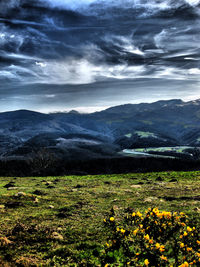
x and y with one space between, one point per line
197 209
48 183
115 207
74 190
128 191
150 199
20 194
12 188
36 200
135 186
57 236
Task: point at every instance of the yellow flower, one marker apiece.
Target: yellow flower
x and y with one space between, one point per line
163 258
133 214
198 242
146 262
185 233
112 219
104 220
157 245
182 245
139 214
185 264
189 249
123 231
181 236
135 231
162 248
118 229
106 265
107 245
146 237
151 241
189 229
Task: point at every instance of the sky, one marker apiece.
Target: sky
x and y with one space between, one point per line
88 55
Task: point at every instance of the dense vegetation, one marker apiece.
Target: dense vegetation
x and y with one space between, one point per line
47 165
59 221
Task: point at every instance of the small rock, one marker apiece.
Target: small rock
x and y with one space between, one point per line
128 191
197 209
48 183
12 188
115 207
135 186
20 194
36 200
57 236
150 199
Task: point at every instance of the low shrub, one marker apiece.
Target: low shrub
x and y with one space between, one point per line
153 238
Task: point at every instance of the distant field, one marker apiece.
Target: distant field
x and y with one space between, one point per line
58 221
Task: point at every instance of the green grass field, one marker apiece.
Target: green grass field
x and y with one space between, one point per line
58 221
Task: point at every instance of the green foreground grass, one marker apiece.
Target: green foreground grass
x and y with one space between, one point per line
58 221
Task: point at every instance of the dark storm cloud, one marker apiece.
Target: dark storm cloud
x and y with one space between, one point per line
80 45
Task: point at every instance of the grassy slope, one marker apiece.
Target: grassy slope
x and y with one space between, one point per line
86 201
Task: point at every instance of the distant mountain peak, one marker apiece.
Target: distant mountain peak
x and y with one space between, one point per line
73 112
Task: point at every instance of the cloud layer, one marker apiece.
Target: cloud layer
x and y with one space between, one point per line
82 44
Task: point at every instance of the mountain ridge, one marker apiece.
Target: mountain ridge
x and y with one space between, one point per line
161 123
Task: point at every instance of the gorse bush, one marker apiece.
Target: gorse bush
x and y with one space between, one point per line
153 238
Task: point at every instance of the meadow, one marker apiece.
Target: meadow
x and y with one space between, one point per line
60 221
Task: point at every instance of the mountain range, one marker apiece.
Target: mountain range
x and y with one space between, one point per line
74 135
